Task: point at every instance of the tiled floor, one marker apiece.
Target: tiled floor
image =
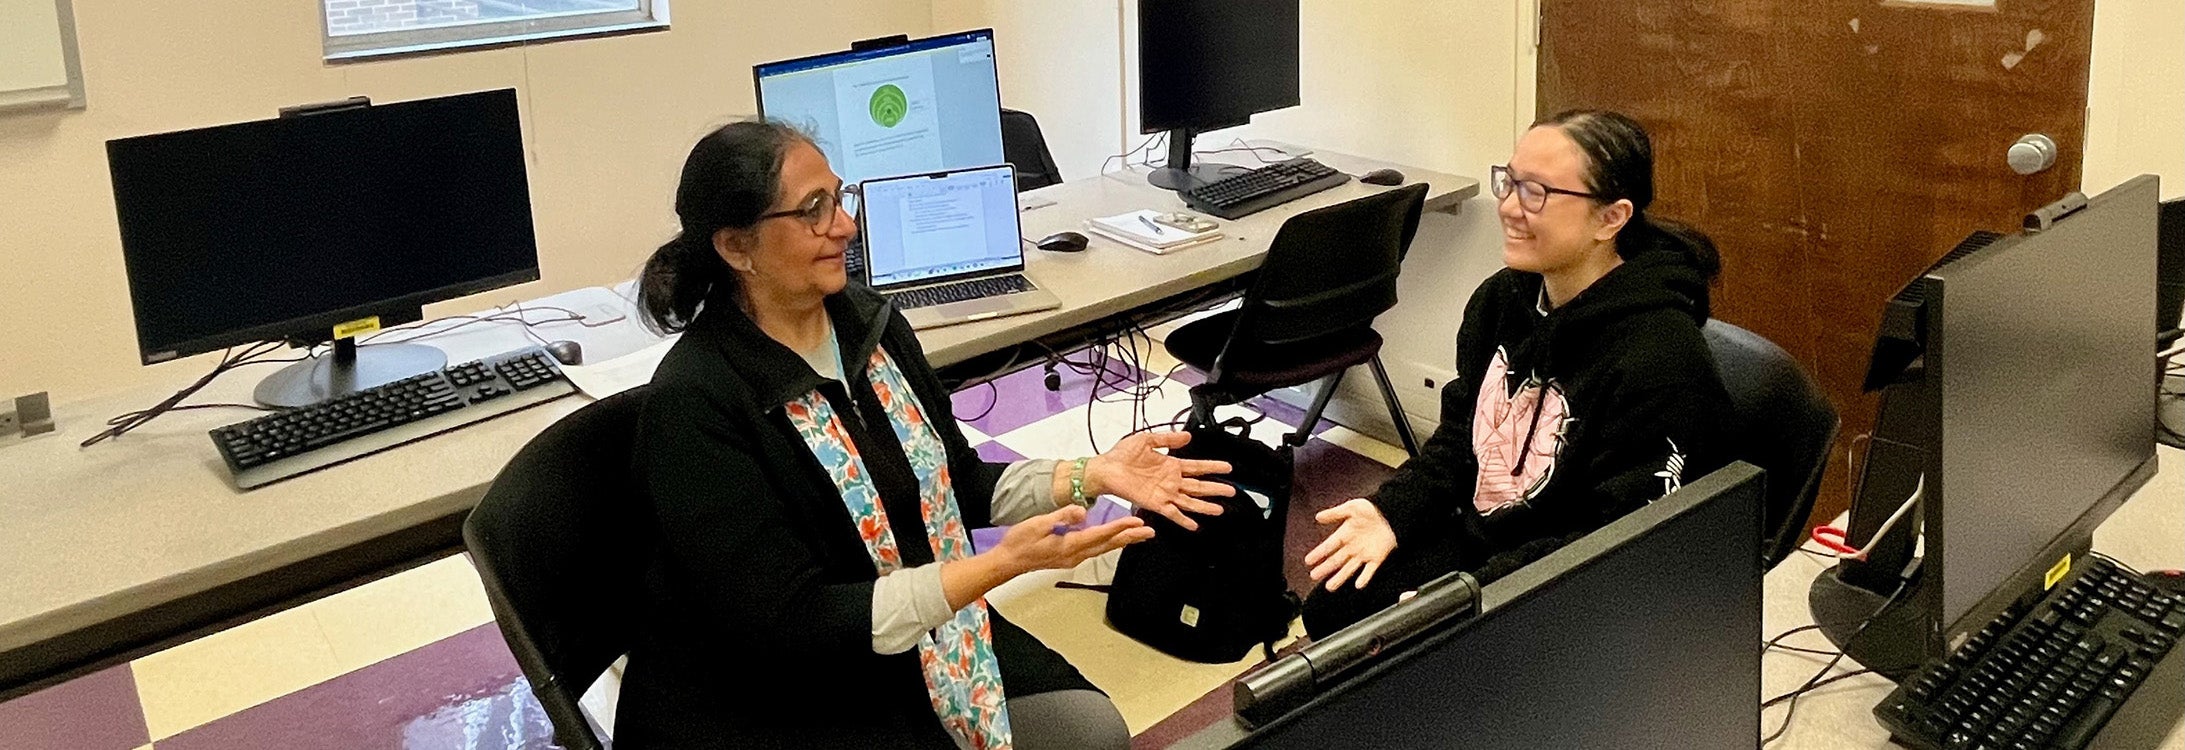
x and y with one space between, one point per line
413 661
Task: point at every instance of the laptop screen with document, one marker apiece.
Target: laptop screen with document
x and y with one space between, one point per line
926 228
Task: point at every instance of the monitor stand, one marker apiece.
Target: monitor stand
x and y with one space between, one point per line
347 370
1181 174
1890 640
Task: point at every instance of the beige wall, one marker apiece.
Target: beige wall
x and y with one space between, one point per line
1059 60
1439 83
1425 82
2135 106
607 122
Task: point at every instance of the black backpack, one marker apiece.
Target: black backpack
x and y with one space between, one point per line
1210 595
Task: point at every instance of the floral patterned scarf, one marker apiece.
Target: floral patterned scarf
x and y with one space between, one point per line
962 676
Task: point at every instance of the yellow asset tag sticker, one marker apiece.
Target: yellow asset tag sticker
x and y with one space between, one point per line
2057 572
353 328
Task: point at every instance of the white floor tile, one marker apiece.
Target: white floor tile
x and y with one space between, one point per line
1361 444
217 675
402 612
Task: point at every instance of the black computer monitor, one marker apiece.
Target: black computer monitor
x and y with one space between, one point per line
1641 634
283 229
2169 317
2170 273
895 106
1210 64
2017 388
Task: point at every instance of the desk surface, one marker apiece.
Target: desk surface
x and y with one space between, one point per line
2144 533
1109 278
150 520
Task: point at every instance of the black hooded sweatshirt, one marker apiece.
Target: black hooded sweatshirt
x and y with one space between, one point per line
1559 423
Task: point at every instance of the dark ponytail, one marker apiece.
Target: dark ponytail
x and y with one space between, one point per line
730 178
1620 166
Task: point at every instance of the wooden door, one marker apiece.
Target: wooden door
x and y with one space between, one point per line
1832 148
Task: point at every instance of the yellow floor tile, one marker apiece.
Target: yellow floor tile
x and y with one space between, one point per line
402 612
1361 444
228 671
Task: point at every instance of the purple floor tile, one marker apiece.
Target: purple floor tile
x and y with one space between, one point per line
99 711
1021 398
987 538
464 691
993 451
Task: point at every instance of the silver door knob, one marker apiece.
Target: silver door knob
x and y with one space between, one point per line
2032 154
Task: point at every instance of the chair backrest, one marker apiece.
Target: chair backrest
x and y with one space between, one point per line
1784 424
1026 149
558 544
1331 269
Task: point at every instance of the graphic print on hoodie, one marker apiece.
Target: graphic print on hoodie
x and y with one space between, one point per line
1519 425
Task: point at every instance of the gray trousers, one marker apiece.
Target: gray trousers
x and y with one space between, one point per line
1066 720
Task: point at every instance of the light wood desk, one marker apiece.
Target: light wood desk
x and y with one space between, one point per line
116 550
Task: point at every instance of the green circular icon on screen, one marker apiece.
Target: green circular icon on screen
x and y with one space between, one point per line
888 106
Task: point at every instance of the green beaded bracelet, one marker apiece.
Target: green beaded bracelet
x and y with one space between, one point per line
1077 481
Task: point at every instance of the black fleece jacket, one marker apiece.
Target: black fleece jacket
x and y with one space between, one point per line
1642 408
759 624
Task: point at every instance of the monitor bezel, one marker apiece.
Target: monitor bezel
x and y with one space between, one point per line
317 328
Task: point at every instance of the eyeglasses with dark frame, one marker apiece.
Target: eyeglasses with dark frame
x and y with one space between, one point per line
1532 195
818 211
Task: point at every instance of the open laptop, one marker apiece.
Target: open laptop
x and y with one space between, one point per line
945 246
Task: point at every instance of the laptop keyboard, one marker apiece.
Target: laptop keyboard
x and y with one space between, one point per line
993 286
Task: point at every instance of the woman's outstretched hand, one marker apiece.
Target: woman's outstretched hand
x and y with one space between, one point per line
1136 470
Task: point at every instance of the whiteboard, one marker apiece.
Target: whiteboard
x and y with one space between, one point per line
38 55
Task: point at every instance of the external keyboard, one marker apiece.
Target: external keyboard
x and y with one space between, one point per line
2048 673
278 446
942 294
1263 188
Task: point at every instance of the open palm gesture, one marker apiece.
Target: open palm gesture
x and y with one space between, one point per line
1137 470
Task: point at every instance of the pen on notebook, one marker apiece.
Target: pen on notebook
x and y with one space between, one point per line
1150 226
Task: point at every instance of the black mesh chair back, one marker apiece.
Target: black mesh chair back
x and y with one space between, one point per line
1784 424
558 544
1308 315
1331 270
1026 149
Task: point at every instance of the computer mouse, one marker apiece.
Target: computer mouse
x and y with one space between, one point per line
1062 242
566 352
1382 177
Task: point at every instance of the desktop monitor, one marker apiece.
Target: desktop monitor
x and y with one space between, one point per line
1641 634
1210 64
2170 272
2169 318
896 108
2016 398
283 229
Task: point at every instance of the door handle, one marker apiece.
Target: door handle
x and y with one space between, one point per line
2032 154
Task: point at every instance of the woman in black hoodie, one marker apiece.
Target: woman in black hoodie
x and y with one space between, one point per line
1584 389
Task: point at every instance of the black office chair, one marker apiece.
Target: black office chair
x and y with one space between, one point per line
1026 149
558 543
1784 424
1309 315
